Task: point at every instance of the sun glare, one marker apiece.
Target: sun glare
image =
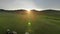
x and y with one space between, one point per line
28 11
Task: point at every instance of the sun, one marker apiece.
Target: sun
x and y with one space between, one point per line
28 10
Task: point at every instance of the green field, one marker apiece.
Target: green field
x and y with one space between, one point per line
42 23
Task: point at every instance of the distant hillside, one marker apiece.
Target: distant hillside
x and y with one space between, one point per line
25 10
48 11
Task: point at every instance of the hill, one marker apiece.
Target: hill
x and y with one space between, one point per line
42 22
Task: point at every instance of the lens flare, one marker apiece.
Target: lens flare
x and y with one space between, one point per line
29 24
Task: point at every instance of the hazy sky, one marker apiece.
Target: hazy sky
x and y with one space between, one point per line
29 4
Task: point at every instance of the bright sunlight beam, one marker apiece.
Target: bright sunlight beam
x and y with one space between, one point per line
28 11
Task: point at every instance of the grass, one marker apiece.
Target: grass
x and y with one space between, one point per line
45 23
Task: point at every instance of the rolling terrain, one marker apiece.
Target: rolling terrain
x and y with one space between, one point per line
42 22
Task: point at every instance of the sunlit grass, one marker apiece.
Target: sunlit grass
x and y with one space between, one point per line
40 23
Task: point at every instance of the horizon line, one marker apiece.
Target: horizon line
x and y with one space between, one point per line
32 9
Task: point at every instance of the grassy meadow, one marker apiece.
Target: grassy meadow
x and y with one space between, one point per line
44 22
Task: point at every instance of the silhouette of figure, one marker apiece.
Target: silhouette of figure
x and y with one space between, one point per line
26 32
14 32
8 31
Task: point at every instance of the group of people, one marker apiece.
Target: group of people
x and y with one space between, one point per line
11 32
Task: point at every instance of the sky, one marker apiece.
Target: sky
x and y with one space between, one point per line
29 4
